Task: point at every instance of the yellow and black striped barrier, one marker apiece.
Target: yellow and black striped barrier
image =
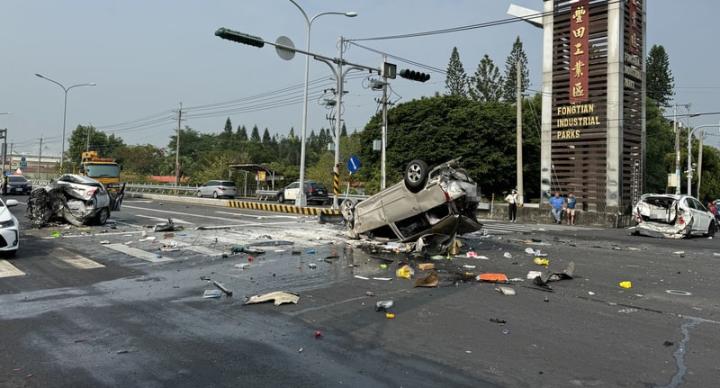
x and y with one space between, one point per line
279 208
336 182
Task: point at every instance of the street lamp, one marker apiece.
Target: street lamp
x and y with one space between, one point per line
689 156
300 200
66 90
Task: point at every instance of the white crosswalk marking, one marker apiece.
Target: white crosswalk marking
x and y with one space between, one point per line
75 260
8 270
507 228
138 253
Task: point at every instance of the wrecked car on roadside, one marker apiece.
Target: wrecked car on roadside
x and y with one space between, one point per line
672 216
76 199
438 201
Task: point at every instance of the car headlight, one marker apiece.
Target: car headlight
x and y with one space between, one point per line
7 224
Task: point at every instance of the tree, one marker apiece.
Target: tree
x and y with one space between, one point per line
659 149
486 85
106 146
228 126
255 135
266 137
242 133
456 79
517 55
343 131
291 135
660 81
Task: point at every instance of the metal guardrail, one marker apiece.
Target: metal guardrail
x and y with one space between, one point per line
186 191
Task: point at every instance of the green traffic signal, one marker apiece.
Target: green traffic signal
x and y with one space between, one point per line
239 37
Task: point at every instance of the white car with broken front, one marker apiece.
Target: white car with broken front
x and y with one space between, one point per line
9 228
672 216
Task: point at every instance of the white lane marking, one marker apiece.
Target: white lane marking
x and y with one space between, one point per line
137 253
141 201
195 248
256 216
219 227
93 235
182 213
129 224
76 260
175 220
8 270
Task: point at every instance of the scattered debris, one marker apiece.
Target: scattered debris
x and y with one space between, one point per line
300 350
124 351
383 266
361 277
405 272
625 284
591 293
55 234
212 294
678 292
541 261
279 297
507 255
243 266
530 251
318 334
246 249
169 226
679 252
498 321
627 311
369 293
468 266
271 243
222 288
384 305
310 251
426 266
505 290
312 265
382 279
148 238
492 278
431 280
471 254
104 242
390 315
533 274
552 276
668 343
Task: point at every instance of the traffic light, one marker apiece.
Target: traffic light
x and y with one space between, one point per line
414 75
239 37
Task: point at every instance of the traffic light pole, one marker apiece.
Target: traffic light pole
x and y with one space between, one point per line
383 137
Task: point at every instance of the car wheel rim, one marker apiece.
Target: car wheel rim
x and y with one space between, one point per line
414 173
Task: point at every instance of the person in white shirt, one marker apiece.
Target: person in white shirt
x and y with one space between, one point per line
512 200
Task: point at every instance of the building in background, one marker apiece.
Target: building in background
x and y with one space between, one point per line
33 166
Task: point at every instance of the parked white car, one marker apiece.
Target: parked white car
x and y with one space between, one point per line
9 228
217 189
672 216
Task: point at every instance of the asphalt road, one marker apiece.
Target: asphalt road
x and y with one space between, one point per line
109 306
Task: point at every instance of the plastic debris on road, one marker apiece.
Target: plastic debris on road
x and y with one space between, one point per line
382 279
384 305
505 290
167 227
243 266
55 234
278 298
246 249
431 280
390 315
507 255
533 274
529 251
471 254
312 265
679 252
103 242
222 288
541 261
469 266
361 277
383 266
405 272
208 294
498 321
492 278
625 284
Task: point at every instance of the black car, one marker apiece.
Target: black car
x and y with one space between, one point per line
17 184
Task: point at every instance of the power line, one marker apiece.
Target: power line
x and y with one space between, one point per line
401 59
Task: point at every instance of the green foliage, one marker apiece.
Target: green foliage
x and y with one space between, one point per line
659 78
486 85
517 55
106 146
659 149
228 126
456 79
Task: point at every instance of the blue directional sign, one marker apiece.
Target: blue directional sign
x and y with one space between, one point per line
353 164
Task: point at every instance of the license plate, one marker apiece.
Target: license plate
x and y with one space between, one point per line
321 192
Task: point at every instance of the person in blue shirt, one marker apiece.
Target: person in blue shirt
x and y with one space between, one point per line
570 205
557 202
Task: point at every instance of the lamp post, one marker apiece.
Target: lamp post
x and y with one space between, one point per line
300 200
689 155
66 90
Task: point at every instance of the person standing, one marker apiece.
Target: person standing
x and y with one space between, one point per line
512 200
557 203
570 205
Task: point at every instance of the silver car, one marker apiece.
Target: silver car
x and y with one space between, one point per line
217 189
672 216
438 201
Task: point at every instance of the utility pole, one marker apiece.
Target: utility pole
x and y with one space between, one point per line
12 148
177 148
87 140
384 128
3 133
518 132
677 150
338 126
39 157
699 163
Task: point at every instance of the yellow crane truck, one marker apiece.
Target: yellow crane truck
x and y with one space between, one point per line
105 171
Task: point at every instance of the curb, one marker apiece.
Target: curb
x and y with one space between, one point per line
278 208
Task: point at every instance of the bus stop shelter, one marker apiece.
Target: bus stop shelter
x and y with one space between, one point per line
265 177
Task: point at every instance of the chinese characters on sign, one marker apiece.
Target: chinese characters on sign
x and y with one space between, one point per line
579 51
634 27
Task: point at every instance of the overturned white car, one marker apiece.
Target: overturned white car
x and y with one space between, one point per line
76 199
438 201
672 216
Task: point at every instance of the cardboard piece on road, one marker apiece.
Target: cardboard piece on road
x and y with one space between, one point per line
278 298
431 280
426 266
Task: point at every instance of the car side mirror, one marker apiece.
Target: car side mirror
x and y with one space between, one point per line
11 202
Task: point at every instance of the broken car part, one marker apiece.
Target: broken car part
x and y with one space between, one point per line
278 298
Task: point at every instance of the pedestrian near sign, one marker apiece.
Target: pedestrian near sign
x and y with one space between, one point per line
353 164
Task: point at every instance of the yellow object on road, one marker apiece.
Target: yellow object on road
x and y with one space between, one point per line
625 284
389 315
404 272
542 261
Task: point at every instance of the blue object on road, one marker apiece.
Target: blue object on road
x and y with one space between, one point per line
353 164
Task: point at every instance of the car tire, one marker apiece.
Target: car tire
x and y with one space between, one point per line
711 229
416 174
198 194
281 198
347 209
9 254
215 194
102 216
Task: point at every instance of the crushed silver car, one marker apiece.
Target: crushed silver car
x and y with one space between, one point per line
438 201
672 216
76 199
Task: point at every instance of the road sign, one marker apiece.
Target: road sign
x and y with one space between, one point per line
353 164
23 162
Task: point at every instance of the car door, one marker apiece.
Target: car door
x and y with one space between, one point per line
702 216
291 192
207 190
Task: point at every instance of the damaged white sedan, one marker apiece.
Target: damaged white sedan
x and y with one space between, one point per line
672 216
76 199
438 201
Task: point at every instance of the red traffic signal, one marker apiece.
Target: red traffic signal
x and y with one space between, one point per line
414 75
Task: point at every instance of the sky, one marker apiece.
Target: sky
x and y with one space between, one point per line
146 57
